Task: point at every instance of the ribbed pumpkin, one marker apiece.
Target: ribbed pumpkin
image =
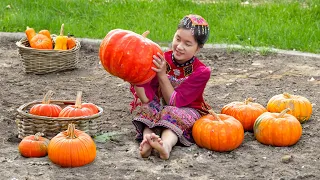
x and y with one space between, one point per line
300 106
72 148
91 106
246 112
34 146
46 108
76 110
128 55
277 129
218 132
40 41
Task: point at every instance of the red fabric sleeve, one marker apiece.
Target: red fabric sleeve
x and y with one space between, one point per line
192 88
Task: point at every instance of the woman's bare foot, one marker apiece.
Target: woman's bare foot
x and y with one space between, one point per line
145 148
156 142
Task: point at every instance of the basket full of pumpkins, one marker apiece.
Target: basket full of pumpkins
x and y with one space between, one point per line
50 117
43 52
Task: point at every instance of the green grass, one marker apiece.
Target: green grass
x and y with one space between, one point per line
276 24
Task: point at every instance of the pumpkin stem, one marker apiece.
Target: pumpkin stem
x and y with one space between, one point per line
286 95
283 112
47 97
248 100
37 136
214 114
145 34
78 100
70 131
62 29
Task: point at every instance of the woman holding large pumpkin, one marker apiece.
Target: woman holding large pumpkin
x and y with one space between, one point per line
173 100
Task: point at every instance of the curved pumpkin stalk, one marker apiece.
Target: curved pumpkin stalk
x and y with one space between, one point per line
46 99
283 112
37 136
287 95
70 131
216 117
145 34
78 100
248 100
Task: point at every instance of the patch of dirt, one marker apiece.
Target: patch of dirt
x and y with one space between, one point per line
234 78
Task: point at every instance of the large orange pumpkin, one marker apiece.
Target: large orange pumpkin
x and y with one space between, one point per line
34 146
76 110
128 55
277 129
218 132
46 108
72 148
246 112
300 106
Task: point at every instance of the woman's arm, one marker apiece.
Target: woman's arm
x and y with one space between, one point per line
141 94
164 83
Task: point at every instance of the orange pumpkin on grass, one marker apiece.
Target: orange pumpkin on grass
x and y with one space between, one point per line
34 146
218 132
128 55
246 112
277 129
72 148
46 108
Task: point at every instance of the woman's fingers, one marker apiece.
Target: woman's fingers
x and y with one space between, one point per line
155 69
159 62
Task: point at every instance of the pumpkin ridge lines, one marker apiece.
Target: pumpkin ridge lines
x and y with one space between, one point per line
127 58
113 44
52 146
61 155
147 65
85 143
88 143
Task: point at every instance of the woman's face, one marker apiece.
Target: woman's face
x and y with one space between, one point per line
184 45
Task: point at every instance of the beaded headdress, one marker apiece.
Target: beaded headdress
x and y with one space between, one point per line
198 26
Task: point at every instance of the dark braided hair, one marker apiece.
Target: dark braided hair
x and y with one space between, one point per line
198 26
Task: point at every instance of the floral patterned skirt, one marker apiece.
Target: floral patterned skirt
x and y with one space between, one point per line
155 116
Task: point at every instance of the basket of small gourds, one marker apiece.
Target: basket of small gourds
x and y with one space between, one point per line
43 52
50 117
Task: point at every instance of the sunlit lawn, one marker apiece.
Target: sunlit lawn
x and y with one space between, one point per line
278 24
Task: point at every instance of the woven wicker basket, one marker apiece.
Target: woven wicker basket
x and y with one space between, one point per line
29 124
46 61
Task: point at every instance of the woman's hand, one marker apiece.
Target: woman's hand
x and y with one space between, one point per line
160 63
161 70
